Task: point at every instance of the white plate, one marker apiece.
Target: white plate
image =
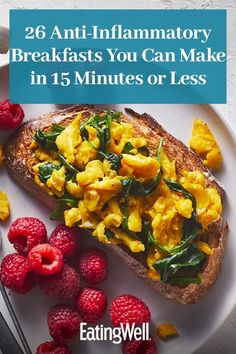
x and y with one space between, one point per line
195 323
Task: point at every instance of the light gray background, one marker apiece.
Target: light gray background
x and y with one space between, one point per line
224 341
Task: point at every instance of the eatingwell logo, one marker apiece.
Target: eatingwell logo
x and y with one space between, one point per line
116 335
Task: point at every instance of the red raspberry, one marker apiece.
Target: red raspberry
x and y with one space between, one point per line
45 259
66 239
52 348
63 323
25 233
139 347
93 265
11 115
63 285
91 304
129 309
16 274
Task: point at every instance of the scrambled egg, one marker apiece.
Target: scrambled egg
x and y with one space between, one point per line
205 145
139 166
69 139
122 133
57 177
72 216
74 189
57 180
166 331
209 206
135 246
168 167
97 188
4 207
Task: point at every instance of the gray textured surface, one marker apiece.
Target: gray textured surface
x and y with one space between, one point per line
224 341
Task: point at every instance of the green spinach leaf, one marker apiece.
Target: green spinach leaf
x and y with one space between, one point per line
63 204
177 187
189 257
131 185
143 150
47 139
191 226
148 237
129 147
147 234
57 128
109 233
104 135
102 123
45 171
113 159
67 165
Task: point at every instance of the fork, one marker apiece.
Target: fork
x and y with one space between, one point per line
8 343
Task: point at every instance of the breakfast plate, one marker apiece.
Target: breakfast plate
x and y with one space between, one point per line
195 323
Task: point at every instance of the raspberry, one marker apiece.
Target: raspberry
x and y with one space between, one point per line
63 323
63 285
93 266
129 309
45 259
16 274
139 347
25 233
52 348
66 239
11 115
91 304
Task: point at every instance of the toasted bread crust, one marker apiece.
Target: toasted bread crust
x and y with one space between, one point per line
19 162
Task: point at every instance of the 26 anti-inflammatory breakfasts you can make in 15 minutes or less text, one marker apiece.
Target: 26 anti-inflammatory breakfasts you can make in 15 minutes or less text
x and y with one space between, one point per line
137 189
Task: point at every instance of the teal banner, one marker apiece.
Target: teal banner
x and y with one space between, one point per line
118 56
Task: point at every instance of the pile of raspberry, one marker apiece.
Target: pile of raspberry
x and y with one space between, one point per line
63 270
11 115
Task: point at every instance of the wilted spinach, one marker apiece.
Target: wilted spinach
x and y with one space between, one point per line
188 258
47 139
64 203
57 128
177 187
143 150
109 233
191 226
148 238
129 147
113 159
133 186
181 257
45 171
67 165
102 123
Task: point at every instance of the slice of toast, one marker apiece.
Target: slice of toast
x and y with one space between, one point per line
19 161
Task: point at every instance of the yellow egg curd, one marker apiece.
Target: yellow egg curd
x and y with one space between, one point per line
205 145
106 180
